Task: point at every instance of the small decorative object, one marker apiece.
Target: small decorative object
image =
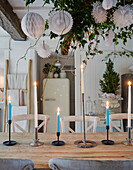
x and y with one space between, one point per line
57 64
36 141
84 143
33 25
10 142
99 13
89 107
109 38
129 141
43 50
107 142
123 16
107 4
56 75
60 22
58 142
62 74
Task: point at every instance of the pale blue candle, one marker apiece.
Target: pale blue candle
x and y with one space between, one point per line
9 108
58 120
107 113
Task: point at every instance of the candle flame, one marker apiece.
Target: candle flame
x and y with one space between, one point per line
9 98
81 66
129 83
58 110
35 83
107 104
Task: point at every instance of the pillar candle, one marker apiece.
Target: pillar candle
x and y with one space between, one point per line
58 120
107 113
82 79
9 108
129 104
35 105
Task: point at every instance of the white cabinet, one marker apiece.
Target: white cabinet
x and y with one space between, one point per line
56 94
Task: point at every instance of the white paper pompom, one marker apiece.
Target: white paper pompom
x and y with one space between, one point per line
107 4
99 13
43 50
123 16
60 22
109 38
33 25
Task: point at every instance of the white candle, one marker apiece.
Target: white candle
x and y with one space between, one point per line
35 105
129 104
82 79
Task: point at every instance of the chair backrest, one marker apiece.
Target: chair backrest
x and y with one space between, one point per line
64 163
18 118
15 164
117 116
92 119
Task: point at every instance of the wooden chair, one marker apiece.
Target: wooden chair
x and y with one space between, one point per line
18 118
118 116
92 119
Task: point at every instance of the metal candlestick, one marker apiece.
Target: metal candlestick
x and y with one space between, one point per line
107 142
129 141
58 142
84 143
36 141
10 142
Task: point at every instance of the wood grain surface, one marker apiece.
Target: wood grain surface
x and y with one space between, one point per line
42 154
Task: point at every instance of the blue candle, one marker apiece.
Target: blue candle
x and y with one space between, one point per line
58 120
107 113
9 108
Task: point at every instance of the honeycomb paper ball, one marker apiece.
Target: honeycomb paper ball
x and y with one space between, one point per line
107 4
33 25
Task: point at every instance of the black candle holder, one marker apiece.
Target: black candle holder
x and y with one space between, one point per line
107 142
10 142
58 142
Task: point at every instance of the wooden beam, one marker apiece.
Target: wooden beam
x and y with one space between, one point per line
10 22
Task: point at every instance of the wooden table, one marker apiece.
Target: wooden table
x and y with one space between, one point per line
41 155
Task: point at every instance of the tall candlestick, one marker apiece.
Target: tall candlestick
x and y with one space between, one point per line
82 79
107 113
35 105
9 108
58 120
129 104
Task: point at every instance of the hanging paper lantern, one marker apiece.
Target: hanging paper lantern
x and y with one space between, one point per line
60 22
43 50
99 13
109 38
33 25
107 4
123 16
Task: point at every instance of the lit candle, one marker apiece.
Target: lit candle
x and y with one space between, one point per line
35 105
129 104
9 108
82 79
107 113
58 120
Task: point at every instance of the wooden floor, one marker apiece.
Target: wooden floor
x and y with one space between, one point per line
41 155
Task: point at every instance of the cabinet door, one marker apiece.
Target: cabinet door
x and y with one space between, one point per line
56 94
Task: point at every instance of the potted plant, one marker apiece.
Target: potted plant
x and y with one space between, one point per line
50 70
110 85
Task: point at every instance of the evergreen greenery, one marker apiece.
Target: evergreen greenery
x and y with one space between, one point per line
110 82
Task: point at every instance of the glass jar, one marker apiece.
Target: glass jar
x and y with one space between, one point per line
89 107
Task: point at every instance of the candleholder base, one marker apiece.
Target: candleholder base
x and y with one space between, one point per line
58 143
36 143
85 144
129 141
107 142
9 143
